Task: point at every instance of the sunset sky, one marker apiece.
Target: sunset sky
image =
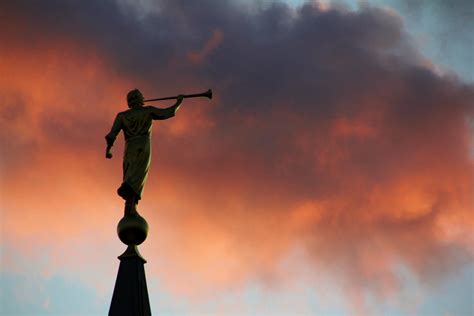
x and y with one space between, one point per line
331 174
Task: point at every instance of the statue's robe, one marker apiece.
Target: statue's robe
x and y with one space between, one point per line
136 124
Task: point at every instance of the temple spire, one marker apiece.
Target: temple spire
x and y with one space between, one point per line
130 293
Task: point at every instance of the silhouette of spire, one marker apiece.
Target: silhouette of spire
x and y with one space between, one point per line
130 296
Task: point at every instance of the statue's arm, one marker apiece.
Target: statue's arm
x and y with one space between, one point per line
112 135
166 113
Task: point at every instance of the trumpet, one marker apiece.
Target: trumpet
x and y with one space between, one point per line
207 94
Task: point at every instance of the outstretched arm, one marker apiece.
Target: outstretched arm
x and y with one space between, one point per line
166 113
112 135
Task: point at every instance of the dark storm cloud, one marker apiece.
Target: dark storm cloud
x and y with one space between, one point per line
273 39
144 47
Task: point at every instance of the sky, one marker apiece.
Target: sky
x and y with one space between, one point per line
332 173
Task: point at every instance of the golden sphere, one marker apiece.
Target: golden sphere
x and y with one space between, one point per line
132 229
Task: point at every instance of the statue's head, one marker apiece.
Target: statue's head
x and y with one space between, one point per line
135 98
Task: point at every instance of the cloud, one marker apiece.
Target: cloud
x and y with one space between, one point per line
212 44
328 132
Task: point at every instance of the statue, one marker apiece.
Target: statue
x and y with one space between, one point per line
136 124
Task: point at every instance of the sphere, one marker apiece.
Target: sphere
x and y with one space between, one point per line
132 229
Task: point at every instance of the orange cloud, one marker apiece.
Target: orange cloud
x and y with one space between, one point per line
360 174
197 57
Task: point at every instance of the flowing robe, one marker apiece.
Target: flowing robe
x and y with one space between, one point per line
136 124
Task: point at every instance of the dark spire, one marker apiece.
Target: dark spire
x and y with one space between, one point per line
130 296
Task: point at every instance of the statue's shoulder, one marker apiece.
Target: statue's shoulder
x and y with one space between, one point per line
125 113
149 109
136 112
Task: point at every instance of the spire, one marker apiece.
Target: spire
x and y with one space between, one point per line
130 293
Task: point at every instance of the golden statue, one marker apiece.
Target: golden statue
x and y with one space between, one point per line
136 124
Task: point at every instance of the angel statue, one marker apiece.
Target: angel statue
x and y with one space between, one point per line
136 124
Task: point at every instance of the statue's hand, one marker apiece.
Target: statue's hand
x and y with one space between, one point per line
108 155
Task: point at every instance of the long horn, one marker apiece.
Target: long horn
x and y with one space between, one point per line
207 94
